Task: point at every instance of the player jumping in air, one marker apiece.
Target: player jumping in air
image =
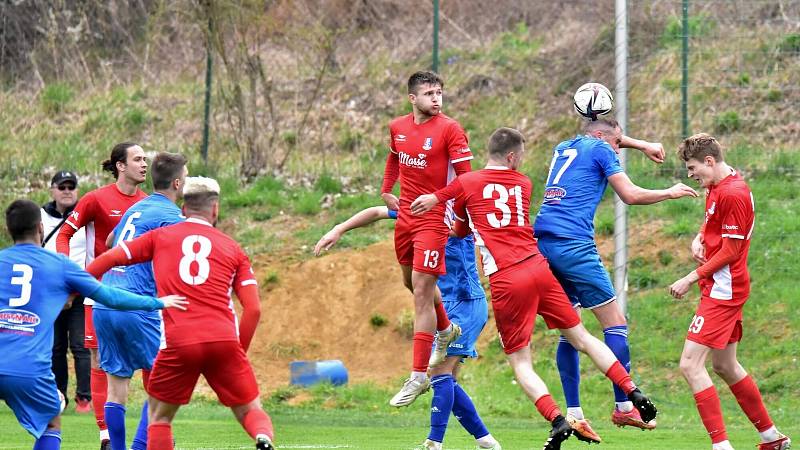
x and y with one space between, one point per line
721 249
129 340
497 202
35 284
465 302
200 262
580 170
428 149
99 212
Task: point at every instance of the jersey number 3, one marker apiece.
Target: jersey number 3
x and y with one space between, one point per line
24 281
200 257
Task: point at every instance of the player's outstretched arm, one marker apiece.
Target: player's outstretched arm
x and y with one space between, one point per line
125 254
632 194
358 220
124 300
653 150
426 202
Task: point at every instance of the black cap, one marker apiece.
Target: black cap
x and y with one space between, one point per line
62 176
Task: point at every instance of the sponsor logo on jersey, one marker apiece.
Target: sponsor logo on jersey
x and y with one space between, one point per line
428 144
464 150
730 227
410 161
18 320
115 213
713 207
554 194
400 138
74 215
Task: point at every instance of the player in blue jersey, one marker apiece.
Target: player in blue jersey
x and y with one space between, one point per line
580 170
465 302
35 284
129 340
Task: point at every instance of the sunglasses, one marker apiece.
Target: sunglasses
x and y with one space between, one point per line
67 187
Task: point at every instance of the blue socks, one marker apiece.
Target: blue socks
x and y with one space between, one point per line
569 369
115 420
50 440
617 340
467 415
441 406
140 440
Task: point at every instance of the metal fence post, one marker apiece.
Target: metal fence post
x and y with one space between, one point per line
620 208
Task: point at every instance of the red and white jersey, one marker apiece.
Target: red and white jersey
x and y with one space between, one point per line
195 260
498 201
99 211
730 214
426 154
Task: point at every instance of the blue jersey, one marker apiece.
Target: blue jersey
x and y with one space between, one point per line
34 285
461 282
153 212
575 185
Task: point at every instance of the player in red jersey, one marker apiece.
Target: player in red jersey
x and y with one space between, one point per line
99 212
204 265
497 201
428 149
721 248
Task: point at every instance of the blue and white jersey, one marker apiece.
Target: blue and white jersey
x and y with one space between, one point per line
575 185
461 282
34 285
150 213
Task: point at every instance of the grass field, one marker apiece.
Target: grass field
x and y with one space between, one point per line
208 426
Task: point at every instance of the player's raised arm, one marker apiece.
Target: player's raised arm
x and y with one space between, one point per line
632 194
653 150
358 220
126 253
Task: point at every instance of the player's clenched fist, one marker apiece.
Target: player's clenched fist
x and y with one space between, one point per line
699 249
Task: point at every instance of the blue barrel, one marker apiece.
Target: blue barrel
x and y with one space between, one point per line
308 373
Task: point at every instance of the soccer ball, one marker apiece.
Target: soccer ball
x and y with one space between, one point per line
592 99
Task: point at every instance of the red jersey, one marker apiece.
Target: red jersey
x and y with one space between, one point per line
99 211
498 201
426 154
730 213
195 260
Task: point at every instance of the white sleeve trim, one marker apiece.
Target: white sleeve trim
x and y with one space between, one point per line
733 236
70 224
466 158
125 249
249 282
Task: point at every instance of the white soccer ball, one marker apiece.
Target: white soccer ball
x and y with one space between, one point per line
593 99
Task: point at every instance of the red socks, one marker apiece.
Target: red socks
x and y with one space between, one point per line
619 376
98 383
256 422
159 436
422 350
547 407
711 414
442 321
749 398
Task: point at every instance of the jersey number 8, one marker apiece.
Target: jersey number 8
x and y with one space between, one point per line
200 257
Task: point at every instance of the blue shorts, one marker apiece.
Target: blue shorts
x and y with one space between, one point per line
471 316
35 401
129 340
577 266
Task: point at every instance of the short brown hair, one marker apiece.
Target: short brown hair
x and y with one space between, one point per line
425 77
601 123
505 140
166 168
699 146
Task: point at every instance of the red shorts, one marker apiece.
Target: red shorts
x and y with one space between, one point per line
716 323
89 336
519 293
223 364
421 246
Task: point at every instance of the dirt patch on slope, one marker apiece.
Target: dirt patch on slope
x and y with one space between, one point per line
321 309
